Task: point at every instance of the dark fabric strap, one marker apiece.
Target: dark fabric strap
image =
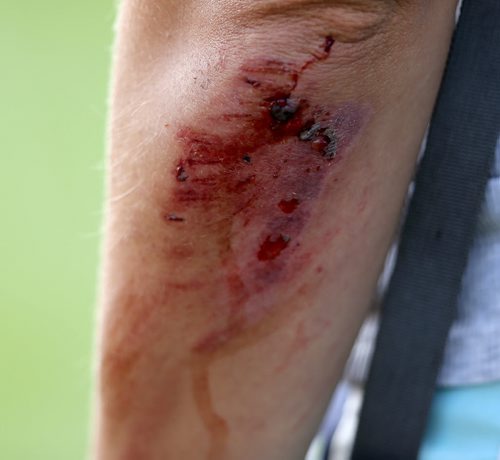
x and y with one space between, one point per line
420 304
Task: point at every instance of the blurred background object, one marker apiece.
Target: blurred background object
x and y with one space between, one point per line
55 58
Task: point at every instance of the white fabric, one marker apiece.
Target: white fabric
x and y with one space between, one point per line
472 354
473 351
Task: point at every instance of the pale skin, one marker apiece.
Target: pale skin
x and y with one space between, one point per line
260 154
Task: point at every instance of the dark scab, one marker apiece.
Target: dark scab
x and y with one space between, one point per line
329 41
247 159
330 150
283 110
174 218
181 174
309 133
253 83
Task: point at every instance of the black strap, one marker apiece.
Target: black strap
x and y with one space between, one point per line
421 301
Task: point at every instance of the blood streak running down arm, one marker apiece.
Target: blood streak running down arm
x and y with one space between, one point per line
258 162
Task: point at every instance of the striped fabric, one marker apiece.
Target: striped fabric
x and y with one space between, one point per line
473 352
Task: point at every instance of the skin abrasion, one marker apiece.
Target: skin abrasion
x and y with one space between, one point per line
250 184
246 185
256 166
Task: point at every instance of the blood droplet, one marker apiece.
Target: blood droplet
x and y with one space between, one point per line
289 206
272 247
320 143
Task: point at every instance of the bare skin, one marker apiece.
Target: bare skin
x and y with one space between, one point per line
260 153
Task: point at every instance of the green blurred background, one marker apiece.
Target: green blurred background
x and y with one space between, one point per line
54 59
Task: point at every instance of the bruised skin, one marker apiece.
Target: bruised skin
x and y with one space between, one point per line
248 184
250 190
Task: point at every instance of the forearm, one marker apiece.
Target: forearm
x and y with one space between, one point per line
258 166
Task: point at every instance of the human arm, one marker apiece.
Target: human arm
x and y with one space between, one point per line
260 154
